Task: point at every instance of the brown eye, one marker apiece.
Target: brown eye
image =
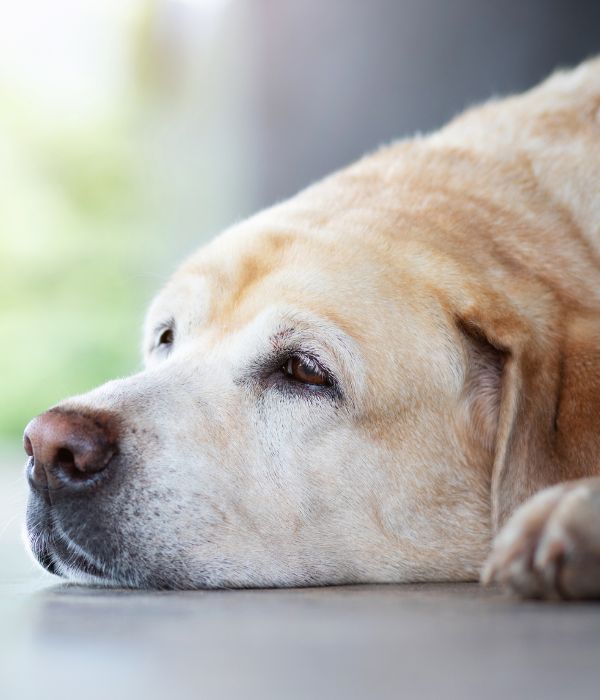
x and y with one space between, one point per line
166 337
305 371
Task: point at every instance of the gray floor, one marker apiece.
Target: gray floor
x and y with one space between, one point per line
432 641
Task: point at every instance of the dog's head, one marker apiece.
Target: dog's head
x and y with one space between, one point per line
319 405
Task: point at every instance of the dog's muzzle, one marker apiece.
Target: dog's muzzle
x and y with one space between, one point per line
72 454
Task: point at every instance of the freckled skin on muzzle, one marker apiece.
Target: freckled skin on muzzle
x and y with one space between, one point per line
81 521
90 530
154 500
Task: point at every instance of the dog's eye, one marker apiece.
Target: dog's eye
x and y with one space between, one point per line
305 370
166 337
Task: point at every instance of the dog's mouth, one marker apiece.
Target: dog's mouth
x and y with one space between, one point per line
61 555
69 560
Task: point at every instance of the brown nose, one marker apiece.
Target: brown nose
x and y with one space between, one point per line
69 449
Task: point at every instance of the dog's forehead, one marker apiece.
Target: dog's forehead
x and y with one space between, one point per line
183 299
243 272
290 261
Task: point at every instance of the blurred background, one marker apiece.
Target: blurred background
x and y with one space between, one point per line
133 130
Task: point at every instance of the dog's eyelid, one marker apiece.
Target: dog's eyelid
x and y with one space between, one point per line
312 361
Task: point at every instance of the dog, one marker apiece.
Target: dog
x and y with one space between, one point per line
393 376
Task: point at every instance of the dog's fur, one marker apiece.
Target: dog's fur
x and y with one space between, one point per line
450 285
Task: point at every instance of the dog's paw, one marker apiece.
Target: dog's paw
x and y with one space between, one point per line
550 547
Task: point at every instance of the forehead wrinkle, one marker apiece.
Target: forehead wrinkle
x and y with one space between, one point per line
234 282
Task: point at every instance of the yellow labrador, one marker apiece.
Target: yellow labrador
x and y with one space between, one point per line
364 382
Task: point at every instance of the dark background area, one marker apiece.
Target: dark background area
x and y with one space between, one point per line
339 77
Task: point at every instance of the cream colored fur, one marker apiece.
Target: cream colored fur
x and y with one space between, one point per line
451 284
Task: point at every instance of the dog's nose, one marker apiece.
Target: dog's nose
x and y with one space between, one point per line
68 449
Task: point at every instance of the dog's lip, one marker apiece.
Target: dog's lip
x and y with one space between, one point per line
46 560
55 553
56 550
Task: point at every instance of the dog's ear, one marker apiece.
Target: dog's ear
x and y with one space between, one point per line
512 390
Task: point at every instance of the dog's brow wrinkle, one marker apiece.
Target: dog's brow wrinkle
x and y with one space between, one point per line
279 338
163 325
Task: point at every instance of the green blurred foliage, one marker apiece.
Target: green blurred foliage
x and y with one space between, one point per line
107 156
71 296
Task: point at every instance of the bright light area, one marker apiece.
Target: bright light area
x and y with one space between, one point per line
110 123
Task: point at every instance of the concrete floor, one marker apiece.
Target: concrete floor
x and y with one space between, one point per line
428 641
